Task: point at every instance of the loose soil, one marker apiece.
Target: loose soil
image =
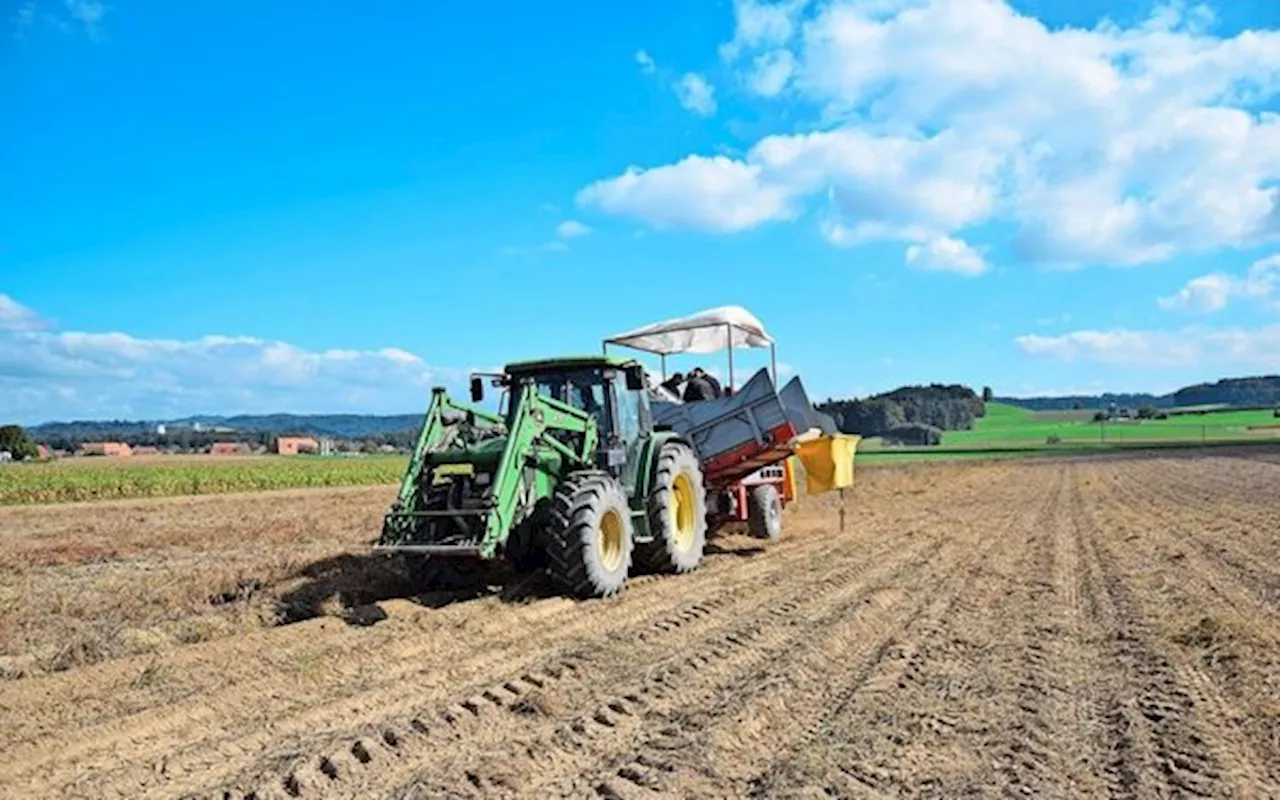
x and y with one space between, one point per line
1101 627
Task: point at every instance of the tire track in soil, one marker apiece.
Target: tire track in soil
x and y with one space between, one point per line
744 631
778 702
853 628
1048 750
1251 755
151 738
1149 706
652 636
1174 503
870 717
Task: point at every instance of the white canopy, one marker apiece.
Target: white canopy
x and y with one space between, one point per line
703 332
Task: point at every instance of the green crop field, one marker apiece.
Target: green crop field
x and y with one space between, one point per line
1007 426
108 478
1009 430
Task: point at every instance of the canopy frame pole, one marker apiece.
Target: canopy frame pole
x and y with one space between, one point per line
773 359
729 327
664 367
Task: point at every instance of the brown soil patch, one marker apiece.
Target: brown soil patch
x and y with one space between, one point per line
1088 627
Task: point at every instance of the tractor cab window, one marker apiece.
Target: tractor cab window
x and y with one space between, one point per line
629 411
583 390
589 397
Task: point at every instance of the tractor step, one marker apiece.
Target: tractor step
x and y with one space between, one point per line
455 550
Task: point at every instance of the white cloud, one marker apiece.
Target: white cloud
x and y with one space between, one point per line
569 229
23 18
696 95
891 187
1045 322
16 317
1211 293
646 62
1203 295
47 373
945 254
88 13
1107 145
534 250
572 229
717 194
1257 349
758 24
771 72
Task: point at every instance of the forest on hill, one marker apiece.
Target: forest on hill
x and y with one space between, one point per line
909 414
1249 392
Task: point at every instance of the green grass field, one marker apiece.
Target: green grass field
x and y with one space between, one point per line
80 479
1011 431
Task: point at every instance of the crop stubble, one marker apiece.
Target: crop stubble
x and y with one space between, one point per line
1089 627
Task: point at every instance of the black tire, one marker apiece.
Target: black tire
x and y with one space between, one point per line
679 533
586 554
764 512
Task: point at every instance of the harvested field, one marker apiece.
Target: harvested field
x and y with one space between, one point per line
1102 626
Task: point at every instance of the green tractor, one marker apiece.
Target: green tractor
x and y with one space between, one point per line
571 476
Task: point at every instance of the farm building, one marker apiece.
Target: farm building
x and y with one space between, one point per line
42 452
146 450
115 449
227 449
292 445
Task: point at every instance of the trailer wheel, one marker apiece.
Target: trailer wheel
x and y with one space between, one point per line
677 507
764 512
589 535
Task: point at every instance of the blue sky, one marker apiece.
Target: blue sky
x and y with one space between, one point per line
220 208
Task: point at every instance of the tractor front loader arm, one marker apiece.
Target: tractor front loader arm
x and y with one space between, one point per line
530 443
439 432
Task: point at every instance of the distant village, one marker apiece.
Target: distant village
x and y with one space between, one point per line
217 441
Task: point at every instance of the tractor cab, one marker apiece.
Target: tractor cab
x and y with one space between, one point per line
611 390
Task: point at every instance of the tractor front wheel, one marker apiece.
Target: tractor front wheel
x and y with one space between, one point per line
677 507
764 512
589 536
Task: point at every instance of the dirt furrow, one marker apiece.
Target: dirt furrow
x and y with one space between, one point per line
619 660
442 664
920 724
1162 717
1210 623
1099 627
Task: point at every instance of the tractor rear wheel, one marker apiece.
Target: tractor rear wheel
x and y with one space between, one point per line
589 535
764 512
677 507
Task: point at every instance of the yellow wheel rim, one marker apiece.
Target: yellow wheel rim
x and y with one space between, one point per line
683 523
609 540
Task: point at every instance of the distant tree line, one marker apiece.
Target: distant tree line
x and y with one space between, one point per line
1256 391
1252 392
187 440
1091 402
911 414
349 432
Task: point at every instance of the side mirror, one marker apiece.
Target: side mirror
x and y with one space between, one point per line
635 377
477 389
